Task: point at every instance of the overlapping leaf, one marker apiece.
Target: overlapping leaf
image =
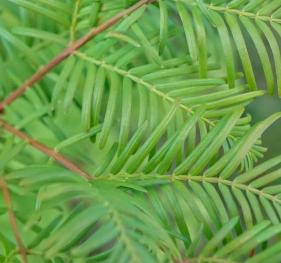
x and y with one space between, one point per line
152 111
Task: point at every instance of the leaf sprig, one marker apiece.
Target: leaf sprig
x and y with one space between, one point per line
146 102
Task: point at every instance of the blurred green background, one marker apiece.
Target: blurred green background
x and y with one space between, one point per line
262 108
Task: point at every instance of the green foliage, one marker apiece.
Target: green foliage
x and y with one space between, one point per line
155 109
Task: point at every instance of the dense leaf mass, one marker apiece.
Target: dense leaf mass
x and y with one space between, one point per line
153 111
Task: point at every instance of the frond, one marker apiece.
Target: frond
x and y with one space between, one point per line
239 26
125 221
186 133
157 82
153 110
110 222
186 206
216 250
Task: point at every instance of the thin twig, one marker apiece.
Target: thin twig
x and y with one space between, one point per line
45 149
68 52
12 219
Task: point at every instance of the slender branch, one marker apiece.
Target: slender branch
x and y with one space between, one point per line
48 151
186 178
68 52
12 219
256 16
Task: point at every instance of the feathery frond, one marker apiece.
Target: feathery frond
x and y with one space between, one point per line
153 108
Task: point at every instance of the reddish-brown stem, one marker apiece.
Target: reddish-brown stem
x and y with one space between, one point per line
252 253
48 151
185 261
68 52
12 219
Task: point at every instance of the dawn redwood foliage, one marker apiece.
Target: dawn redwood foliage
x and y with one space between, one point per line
125 136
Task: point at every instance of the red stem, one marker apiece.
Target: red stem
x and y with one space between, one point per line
12 219
48 151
